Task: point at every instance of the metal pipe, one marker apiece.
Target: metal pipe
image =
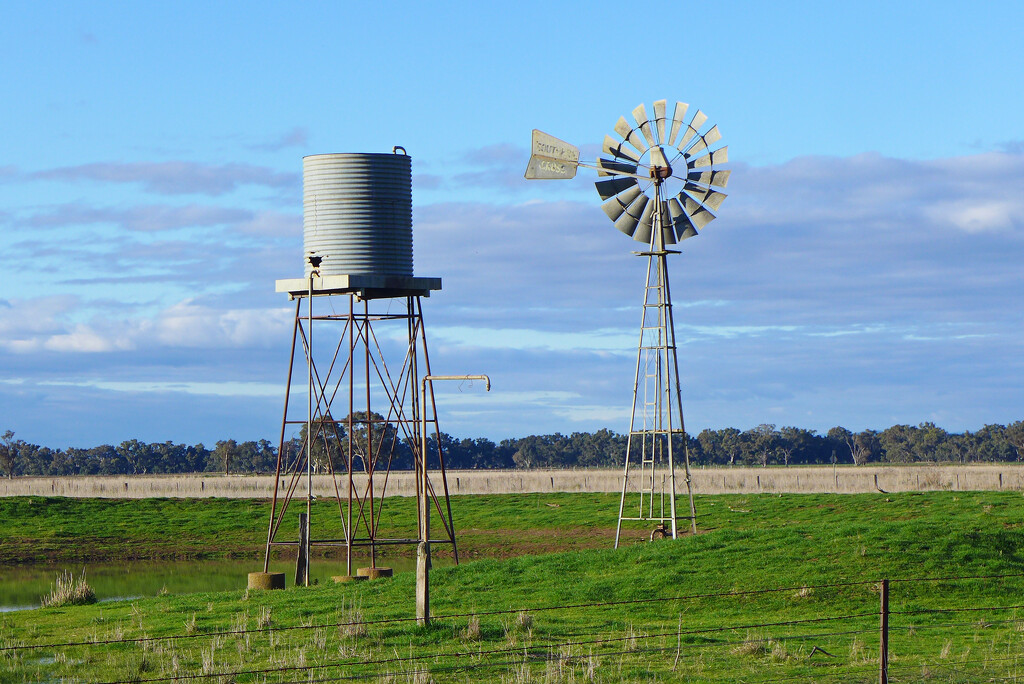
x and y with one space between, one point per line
423 550
309 428
351 442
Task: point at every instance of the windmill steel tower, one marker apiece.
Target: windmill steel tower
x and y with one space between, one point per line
661 188
363 366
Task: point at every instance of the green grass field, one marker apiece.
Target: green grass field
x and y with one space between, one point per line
663 611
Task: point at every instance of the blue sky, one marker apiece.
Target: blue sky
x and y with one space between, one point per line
865 269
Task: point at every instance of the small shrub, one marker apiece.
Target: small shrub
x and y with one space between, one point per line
67 591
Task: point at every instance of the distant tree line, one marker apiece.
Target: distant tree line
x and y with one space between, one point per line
760 446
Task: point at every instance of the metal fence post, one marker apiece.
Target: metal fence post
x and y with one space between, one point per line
883 637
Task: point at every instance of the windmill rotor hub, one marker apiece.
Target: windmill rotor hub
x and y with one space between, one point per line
661 173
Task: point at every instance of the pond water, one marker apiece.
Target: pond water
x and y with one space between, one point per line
22 586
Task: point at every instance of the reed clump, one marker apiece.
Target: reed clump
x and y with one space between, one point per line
69 591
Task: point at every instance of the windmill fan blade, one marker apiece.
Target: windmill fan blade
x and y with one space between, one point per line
616 149
702 143
659 119
610 167
613 186
677 120
643 230
698 120
680 221
615 207
647 218
685 140
719 156
705 196
668 236
658 157
692 129
627 133
640 114
719 179
699 216
630 218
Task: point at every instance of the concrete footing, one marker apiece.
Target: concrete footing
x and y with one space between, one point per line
266 580
348 578
375 573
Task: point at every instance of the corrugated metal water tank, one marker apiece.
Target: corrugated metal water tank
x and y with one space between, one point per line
357 213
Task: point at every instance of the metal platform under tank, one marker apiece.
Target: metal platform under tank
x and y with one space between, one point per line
363 286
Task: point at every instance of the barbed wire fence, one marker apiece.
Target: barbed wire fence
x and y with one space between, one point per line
791 649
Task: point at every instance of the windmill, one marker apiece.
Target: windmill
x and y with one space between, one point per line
661 182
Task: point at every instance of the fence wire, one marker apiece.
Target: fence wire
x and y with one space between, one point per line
545 653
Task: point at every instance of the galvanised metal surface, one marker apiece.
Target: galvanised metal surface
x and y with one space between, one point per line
357 213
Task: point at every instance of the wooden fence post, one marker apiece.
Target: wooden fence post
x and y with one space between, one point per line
883 637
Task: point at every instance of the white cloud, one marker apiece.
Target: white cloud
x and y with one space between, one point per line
48 324
615 416
175 177
147 218
977 216
296 137
82 338
531 338
273 224
188 324
215 389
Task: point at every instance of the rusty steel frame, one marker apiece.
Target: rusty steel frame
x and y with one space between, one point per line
661 414
358 351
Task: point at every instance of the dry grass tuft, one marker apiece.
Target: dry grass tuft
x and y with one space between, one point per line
750 647
633 637
472 631
354 625
757 646
67 591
